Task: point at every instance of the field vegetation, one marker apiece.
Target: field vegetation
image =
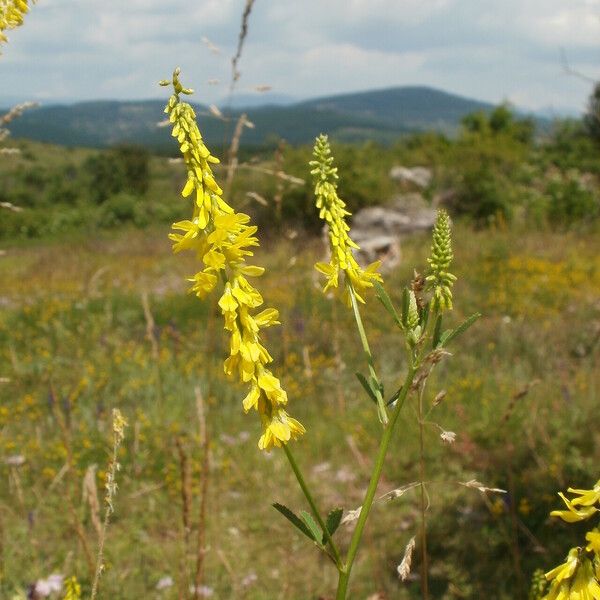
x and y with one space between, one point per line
94 315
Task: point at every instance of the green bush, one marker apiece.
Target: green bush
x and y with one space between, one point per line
569 201
119 209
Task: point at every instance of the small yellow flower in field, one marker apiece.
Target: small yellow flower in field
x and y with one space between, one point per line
333 211
222 238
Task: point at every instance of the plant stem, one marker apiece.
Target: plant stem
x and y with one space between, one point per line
336 555
381 411
102 538
424 560
372 489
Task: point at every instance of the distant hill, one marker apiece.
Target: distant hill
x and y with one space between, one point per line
381 115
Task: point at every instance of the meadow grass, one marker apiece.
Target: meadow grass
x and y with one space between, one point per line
522 397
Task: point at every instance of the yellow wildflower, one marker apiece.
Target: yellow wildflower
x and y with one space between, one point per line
12 13
333 211
586 497
573 580
222 238
580 508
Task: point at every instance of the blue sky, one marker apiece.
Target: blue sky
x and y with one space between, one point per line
490 50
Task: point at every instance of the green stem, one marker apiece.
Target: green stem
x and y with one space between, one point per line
372 489
381 411
336 555
424 559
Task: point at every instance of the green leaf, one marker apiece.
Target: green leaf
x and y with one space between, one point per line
405 304
449 336
395 396
294 520
366 386
387 303
334 518
315 530
437 331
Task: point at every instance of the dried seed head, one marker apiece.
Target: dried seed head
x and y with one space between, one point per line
439 398
404 567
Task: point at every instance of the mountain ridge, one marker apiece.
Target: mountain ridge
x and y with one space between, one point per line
381 114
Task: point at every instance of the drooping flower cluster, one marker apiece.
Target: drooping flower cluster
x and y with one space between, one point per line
222 239
332 209
578 577
440 280
12 13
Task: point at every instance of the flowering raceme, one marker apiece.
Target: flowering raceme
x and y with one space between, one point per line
440 280
11 15
333 211
578 577
222 238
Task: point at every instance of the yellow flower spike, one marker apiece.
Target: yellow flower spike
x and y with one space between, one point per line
221 238
12 14
333 211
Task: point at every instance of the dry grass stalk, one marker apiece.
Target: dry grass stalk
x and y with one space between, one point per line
118 430
10 206
235 73
151 337
257 198
279 174
185 472
360 459
278 198
520 394
204 476
11 115
64 426
90 496
339 361
1 545
308 372
212 47
233 152
215 112
186 509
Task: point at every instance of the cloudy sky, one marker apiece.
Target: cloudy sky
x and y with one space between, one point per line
498 50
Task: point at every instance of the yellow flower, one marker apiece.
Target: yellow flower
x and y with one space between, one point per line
573 580
586 497
333 211
222 238
593 537
573 513
12 13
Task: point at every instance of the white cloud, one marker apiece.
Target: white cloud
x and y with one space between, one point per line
71 49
